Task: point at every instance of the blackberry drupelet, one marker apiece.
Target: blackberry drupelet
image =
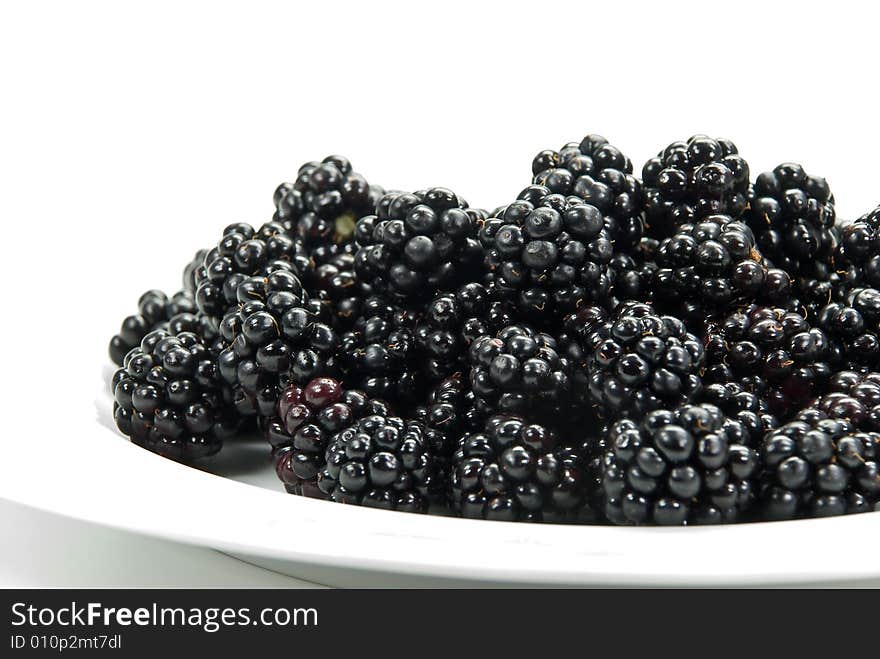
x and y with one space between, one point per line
307 417
816 466
688 465
691 180
272 339
549 253
640 361
514 470
418 243
452 322
170 399
519 371
771 352
708 266
155 310
243 253
379 354
323 204
601 175
381 461
792 216
857 260
853 326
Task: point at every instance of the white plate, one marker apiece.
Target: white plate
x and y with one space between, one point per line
103 478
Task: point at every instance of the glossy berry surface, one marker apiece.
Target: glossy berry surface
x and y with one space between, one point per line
381 461
306 418
691 180
518 471
641 361
169 398
688 465
816 466
418 243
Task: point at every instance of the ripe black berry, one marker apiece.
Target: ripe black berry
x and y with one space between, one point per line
691 180
418 243
170 399
689 465
519 471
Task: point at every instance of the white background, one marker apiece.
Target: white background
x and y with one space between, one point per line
130 135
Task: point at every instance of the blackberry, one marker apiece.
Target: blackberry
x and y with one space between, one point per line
855 396
688 465
634 272
854 328
857 259
155 310
381 461
601 175
792 216
271 339
170 399
418 243
514 470
771 352
194 272
379 354
640 361
817 466
707 266
742 405
450 411
452 322
549 253
323 204
518 370
692 180
307 417
243 253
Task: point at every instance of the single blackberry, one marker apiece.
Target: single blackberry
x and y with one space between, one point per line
601 175
450 411
155 310
858 257
194 272
170 399
792 216
692 180
514 470
634 272
243 253
816 466
688 465
452 322
855 396
708 266
379 354
307 417
771 352
640 361
418 243
853 326
742 405
272 339
381 461
549 253
518 370
323 204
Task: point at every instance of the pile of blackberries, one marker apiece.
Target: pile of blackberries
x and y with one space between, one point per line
691 346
